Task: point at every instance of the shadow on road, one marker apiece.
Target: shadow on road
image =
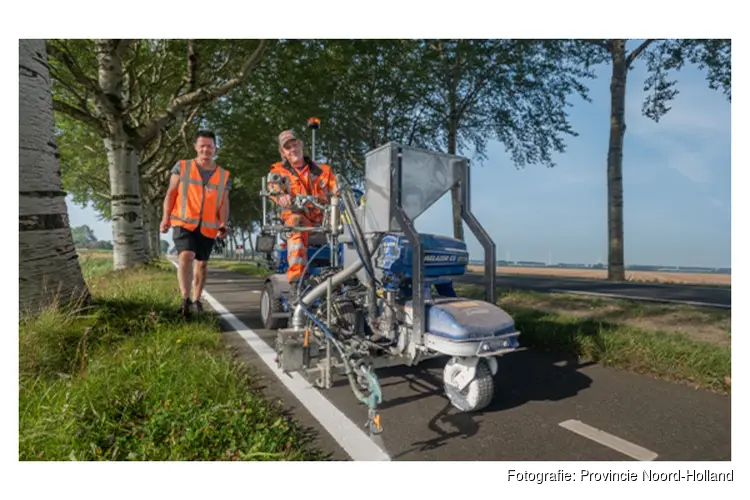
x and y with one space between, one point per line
523 376
529 375
464 426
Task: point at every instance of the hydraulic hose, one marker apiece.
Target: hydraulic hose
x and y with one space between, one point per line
376 395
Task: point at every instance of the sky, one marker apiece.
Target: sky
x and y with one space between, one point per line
676 177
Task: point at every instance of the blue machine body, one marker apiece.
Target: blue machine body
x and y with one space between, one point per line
443 256
461 320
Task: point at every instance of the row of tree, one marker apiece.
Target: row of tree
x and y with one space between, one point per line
126 110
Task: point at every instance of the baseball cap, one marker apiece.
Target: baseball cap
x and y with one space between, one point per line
285 136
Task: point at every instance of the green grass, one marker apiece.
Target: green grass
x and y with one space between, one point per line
598 337
95 263
128 379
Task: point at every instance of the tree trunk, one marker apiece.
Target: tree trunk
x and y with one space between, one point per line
250 241
616 270
145 236
151 229
154 236
233 255
453 119
49 271
123 157
458 224
127 220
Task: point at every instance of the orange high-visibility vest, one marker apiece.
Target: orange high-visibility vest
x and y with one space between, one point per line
320 181
196 203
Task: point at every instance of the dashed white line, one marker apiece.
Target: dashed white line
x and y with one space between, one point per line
347 434
609 440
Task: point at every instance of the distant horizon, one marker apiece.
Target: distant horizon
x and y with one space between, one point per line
574 265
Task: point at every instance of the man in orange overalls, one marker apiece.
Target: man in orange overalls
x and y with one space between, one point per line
303 177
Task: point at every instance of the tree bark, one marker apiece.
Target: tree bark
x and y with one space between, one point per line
616 269
127 216
250 241
151 229
49 271
123 157
458 225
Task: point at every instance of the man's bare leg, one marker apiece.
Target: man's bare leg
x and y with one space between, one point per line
199 278
185 272
185 277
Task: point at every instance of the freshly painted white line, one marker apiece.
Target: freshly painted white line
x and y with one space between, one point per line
648 299
347 434
609 440
256 291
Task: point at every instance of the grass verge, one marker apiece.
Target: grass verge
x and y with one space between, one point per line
95 263
653 339
127 379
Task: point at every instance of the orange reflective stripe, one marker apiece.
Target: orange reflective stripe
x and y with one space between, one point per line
297 248
184 179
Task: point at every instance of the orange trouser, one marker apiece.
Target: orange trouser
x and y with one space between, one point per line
296 246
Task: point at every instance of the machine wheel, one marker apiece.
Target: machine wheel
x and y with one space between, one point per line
477 394
270 304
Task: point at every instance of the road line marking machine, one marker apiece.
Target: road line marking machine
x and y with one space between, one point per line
376 293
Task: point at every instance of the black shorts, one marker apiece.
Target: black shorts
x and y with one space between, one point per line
192 241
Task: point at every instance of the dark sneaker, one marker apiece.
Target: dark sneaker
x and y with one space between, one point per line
185 308
198 305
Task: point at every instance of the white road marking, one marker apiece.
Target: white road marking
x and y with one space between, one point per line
609 440
346 433
648 299
256 291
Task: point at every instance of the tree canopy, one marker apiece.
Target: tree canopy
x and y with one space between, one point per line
448 95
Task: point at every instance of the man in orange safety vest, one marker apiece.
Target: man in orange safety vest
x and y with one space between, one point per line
196 206
302 176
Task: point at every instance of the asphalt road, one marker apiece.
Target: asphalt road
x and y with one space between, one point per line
705 295
541 407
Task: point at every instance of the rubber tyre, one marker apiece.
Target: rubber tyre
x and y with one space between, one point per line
269 304
477 395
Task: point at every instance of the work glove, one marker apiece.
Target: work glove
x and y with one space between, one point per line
285 201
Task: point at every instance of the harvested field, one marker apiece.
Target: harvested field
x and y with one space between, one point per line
633 276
